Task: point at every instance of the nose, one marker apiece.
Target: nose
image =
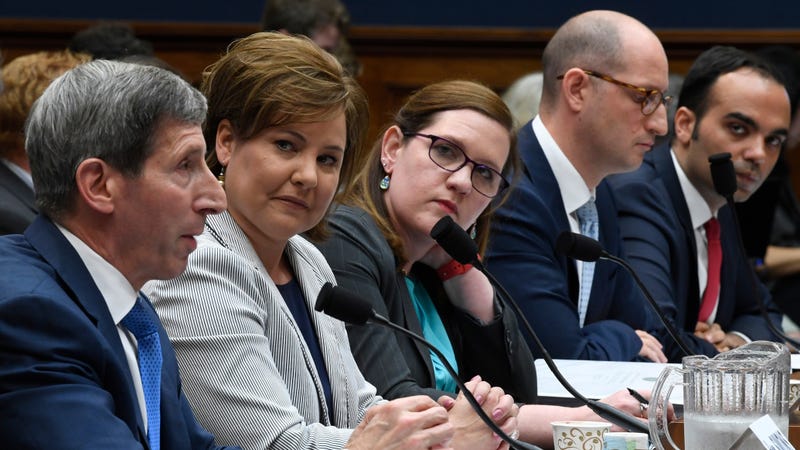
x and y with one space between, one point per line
756 153
656 123
305 171
461 180
211 198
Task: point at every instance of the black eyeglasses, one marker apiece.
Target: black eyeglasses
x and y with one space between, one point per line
651 97
452 158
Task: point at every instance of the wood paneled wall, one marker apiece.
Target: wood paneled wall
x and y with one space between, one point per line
396 60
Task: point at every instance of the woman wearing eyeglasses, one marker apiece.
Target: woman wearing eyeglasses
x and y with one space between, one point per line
445 154
448 151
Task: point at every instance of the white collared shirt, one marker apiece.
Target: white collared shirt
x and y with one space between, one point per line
700 213
120 297
574 191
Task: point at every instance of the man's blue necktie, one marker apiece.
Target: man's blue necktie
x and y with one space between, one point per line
587 218
141 323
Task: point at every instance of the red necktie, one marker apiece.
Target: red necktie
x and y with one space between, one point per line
714 266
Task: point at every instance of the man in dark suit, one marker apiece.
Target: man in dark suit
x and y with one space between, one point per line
672 219
24 79
117 156
602 107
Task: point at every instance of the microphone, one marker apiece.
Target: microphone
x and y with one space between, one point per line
722 174
348 307
578 246
724 177
455 241
584 248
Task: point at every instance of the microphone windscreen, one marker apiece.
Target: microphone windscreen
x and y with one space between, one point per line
343 305
722 174
578 246
454 240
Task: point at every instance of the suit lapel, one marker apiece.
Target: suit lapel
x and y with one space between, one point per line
541 175
662 160
45 237
311 282
229 235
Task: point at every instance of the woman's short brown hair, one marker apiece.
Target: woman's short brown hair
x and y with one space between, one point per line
270 79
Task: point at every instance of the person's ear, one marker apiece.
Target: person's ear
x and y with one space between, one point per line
98 184
684 122
391 146
225 142
575 88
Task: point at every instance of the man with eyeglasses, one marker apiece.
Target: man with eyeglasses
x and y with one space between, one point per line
678 232
602 107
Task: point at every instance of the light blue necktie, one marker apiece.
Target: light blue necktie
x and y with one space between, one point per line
141 323
587 218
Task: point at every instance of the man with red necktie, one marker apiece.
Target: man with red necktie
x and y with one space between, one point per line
678 231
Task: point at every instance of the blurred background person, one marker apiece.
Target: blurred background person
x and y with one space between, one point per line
109 40
675 83
522 98
324 21
25 78
118 41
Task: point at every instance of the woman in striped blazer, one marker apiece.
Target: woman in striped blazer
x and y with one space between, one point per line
261 368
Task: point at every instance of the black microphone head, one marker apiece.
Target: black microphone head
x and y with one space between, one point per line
578 246
343 305
454 240
723 174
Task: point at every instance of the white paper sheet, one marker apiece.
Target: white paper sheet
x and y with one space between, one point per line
598 379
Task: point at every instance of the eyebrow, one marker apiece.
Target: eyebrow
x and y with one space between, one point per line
461 145
332 147
750 121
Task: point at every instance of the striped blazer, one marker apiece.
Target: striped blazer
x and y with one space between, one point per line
246 369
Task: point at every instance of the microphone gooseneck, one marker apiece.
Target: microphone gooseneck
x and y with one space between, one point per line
723 176
346 306
585 248
452 238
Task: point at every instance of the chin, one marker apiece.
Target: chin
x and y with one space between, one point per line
741 196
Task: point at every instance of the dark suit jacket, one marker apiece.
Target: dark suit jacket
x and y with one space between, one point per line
522 256
363 262
64 379
659 240
17 207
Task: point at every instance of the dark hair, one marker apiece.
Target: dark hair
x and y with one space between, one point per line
109 41
712 64
418 112
269 79
304 16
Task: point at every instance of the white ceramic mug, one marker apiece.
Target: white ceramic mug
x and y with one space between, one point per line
579 435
